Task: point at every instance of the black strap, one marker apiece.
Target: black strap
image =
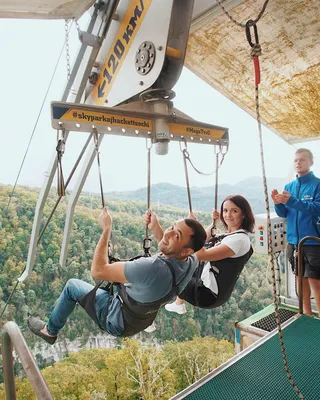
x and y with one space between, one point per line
175 285
88 301
173 272
147 241
218 238
60 151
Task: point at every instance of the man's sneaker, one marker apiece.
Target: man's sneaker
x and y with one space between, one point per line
151 328
35 325
177 308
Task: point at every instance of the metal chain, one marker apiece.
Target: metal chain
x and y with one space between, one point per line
271 254
243 24
187 157
66 32
77 26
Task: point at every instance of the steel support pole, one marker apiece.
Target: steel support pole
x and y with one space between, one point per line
13 335
53 163
73 199
7 365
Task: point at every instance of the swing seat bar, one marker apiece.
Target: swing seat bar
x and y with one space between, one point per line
134 123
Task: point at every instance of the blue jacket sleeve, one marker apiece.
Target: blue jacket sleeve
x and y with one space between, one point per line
281 210
308 207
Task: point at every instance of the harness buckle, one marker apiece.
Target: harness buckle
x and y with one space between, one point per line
61 146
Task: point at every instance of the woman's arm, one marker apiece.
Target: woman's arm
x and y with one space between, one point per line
209 231
216 253
215 217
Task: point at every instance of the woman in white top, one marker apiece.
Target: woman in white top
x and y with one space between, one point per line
223 258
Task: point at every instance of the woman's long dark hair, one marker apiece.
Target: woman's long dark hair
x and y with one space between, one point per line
242 203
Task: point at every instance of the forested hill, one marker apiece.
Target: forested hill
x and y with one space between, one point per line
203 197
38 293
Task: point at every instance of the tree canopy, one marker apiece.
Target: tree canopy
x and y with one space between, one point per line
37 295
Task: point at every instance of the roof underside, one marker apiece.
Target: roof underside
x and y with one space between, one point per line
218 52
38 9
289 34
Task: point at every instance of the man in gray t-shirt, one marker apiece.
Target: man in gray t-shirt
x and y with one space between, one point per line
146 280
153 272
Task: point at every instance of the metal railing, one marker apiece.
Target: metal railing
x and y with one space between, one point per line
11 335
300 266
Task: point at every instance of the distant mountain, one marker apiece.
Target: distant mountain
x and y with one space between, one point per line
254 184
203 197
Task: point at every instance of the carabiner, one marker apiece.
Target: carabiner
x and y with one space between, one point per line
149 146
95 135
217 146
185 145
249 24
224 149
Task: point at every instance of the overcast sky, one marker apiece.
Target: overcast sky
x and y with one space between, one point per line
29 51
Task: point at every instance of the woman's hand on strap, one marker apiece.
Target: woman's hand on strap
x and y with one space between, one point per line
215 214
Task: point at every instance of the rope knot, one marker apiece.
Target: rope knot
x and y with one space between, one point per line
255 50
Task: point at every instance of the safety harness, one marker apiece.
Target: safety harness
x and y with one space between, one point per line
226 273
136 316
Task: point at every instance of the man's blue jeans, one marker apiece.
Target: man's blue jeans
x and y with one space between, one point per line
67 301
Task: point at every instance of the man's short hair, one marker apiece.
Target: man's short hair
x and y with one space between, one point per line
199 235
303 150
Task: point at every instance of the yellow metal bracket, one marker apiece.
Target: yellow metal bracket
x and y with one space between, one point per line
126 122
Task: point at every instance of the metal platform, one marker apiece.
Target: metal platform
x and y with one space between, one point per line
258 372
268 323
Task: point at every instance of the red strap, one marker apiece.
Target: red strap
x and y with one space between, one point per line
256 70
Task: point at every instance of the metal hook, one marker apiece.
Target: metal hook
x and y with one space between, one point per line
150 145
217 146
224 149
185 145
95 135
61 133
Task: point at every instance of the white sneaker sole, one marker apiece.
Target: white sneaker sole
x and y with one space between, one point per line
176 311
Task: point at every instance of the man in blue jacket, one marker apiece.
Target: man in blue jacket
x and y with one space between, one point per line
300 204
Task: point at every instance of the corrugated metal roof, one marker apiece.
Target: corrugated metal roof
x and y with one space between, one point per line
289 34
